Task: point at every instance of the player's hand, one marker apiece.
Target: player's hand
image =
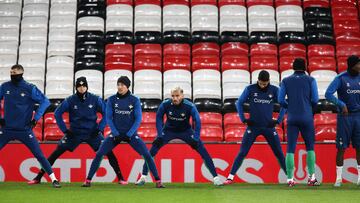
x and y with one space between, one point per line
272 124
194 143
33 123
2 122
126 138
95 133
158 142
345 111
249 122
69 133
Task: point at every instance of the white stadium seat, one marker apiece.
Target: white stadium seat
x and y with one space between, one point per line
148 23
262 25
119 10
322 87
34 35
32 60
61 34
148 10
9 34
63 2
110 80
204 10
61 48
202 90
232 11
261 11
183 85
36 2
34 74
7 60
176 23
176 10
289 11
177 75
32 47
90 23
323 75
60 74
233 24
236 76
36 22
274 77
207 75
10 9
208 23
10 47
148 75
119 23
59 89
95 80
4 74
10 22
62 22
63 10
233 90
36 10
148 90
60 62
286 24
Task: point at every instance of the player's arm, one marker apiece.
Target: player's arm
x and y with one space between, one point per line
40 98
102 109
240 102
282 109
196 117
281 97
314 93
109 118
329 94
138 117
63 107
160 119
1 97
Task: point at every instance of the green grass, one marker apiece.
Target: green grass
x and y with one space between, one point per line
194 193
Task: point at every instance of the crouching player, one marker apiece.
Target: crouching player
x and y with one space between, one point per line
178 112
261 97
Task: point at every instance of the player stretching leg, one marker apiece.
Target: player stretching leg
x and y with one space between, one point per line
19 101
123 115
347 86
302 94
261 97
82 108
178 112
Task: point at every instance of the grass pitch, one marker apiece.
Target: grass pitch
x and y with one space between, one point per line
175 192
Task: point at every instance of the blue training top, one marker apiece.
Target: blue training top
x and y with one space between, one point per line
82 115
123 114
348 91
178 117
19 103
261 104
302 94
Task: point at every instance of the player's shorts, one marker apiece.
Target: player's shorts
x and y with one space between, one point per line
348 130
71 143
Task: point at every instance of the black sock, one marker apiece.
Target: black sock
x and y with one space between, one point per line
52 158
115 165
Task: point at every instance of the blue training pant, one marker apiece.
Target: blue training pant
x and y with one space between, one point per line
185 136
307 130
71 143
249 138
348 130
136 143
28 138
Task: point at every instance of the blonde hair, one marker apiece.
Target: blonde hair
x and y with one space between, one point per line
177 89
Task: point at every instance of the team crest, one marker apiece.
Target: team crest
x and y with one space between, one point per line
31 136
7 92
270 96
131 106
182 114
90 106
75 107
23 94
348 84
170 113
249 131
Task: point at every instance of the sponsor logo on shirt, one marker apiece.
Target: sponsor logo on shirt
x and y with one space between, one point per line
349 91
262 101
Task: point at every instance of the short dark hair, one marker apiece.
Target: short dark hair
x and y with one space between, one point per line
17 67
264 76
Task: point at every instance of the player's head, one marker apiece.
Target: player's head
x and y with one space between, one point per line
81 85
299 64
123 84
263 79
16 73
353 63
177 95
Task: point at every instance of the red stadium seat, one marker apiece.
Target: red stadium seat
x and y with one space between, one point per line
322 63
346 50
148 49
232 120
148 62
176 49
344 13
325 119
280 132
205 49
211 134
147 133
287 61
321 50
263 49
287 2
139 2
119 49
50 119
149 117
292 49
348 37
316 3
199 2
234 48
263 62
234 62
341 64
109 2
205 62
211 118
234 134
38 132
259 2
177 62
343 3
341 26
52 132
325 133
169 2
231 2
118 62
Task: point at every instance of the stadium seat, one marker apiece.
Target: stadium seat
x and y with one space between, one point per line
233 90
263 62
322 63
110 81
34 35
36 9
32 60
176 23
90 23
63 22
274 76
10 47
263 49
292 49
10 9
34 22
315 3
63 9
7 60
95 80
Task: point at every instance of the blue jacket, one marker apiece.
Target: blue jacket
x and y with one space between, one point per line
178 117
261 104
82 115
302 94
123 114
348 91
19 103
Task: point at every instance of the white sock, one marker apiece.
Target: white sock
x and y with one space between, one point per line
143 176
339 172
358 169
312 176
288 180
231 177
52 177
